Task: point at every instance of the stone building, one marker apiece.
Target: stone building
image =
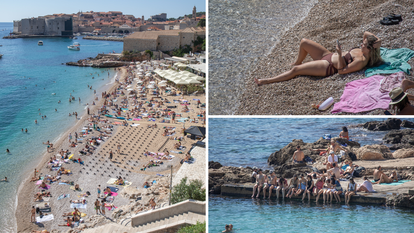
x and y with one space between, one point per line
165 40
50 26
159 17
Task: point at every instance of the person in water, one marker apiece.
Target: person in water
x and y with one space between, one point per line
326 63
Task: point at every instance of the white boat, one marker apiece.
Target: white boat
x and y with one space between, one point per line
40 42
72 47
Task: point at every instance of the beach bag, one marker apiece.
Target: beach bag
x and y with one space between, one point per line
352 156
358 171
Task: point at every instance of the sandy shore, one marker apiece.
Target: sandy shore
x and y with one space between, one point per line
326 22
98 169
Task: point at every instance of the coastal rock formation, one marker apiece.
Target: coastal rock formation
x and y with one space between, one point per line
403 153
214 165
400 200
388 124
101 61
228 175
407 124
405 136
373 152
285 154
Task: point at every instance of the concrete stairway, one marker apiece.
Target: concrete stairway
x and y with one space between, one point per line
177 221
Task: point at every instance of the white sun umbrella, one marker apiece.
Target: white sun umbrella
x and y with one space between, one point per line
130 89
199 78
148 74
181 82
152 82
150 86
162 84
168 88
163 81
193 81
141 70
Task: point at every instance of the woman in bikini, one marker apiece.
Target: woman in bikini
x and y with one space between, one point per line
326 63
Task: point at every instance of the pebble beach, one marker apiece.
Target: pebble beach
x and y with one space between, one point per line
135 139
325 22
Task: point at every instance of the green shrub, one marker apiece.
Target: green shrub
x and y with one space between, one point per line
198 228
182 191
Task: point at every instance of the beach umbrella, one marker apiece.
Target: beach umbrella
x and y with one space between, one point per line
152 82
163 81
196 131
150 86
193 81
181 82
168 88
162 84
140 81
148 74
130 89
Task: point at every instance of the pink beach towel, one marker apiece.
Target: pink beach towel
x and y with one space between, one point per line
112 194
39 182
47 187
366 95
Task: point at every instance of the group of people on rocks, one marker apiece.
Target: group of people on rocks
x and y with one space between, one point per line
326 182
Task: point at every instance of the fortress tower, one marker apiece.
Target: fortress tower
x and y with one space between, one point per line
194 13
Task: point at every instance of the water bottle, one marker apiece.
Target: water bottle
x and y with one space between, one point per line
326 104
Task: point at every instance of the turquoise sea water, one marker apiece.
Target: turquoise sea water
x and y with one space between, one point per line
29 74
252 215
249 142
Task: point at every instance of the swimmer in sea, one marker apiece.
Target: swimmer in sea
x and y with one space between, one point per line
4 180
26 130
35 121
59 102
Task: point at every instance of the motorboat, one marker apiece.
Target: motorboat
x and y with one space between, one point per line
76 44
72 47
40 42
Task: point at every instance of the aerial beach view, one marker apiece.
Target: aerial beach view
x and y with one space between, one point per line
372 148
275 82
121 124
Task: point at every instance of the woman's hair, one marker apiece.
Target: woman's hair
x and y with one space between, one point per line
401 105
374 53
344 129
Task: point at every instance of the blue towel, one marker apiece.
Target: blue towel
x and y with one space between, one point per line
113 189
395 61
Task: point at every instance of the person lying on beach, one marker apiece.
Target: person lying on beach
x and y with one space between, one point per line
146 184
75 212
68 223
83 201
77 187
35 179
119 181
177 145
326 63
400 100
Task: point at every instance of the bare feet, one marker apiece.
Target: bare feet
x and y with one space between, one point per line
258 82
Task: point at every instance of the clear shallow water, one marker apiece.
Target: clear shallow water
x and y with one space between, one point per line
252 215
249 142
29 74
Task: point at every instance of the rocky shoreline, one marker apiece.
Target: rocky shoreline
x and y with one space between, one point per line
100 61
394 153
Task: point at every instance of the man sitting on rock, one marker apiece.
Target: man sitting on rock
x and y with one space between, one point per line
377 173
336 171
298 156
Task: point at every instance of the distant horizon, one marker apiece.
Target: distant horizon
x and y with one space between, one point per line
173 9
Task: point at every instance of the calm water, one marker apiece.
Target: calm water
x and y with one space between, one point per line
247 142
29 74
249 215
